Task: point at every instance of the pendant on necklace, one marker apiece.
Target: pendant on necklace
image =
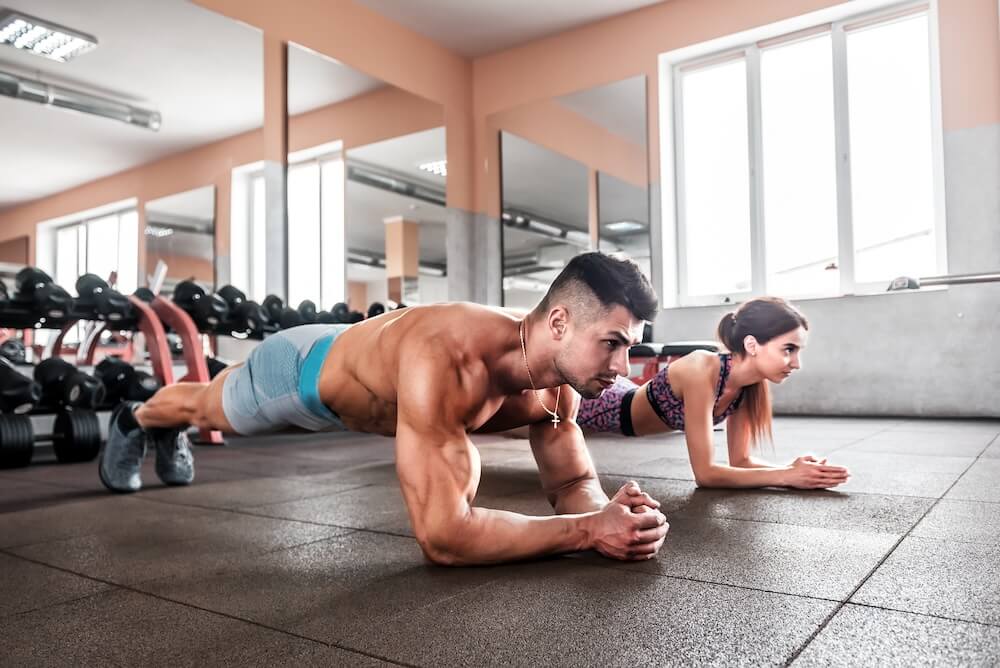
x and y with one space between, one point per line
555 421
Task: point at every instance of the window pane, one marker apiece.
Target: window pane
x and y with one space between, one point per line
258 245
67 255
891 175
102 251
303 234
800 174
716 180
128 252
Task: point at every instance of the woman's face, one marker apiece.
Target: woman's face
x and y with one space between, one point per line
779 357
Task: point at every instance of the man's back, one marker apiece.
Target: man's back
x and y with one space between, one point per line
368 365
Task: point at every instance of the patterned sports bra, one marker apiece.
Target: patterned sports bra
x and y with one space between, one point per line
670 409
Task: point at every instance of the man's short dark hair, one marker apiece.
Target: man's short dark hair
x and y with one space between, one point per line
611 280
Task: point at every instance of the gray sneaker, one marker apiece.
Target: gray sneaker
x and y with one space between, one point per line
174 461
121 460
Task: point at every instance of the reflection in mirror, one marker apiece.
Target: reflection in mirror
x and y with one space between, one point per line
396 220
573 177
365 220
180 234
622 190
544 198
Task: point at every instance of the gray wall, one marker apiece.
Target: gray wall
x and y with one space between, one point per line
926 353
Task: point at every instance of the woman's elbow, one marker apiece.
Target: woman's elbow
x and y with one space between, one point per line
707 477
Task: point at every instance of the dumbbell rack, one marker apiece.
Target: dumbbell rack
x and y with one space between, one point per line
69 427
149 319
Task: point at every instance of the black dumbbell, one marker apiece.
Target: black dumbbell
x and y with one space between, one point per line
123 382
13 350
341 312
17 441
18 393
65 385
272 308
290 318
245 317
307 309
110 304
145 294
35 290
206 310
4 296
355 316
376 309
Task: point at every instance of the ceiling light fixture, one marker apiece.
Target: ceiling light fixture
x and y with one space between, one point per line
41 37
16 86
623 226
436 167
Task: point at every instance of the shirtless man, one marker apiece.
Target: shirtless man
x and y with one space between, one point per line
429 376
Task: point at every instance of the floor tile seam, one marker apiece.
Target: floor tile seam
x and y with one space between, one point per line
57 603
133 588
164 503
729 585
780 523
994 543
923 614
242 511
259 505
49 484
872 572
252 622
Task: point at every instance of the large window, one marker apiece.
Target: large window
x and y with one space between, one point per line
805 163
99 246
315 263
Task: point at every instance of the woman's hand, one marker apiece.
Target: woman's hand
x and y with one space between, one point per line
807 472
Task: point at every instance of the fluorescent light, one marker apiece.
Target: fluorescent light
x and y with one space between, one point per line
158 232
41 37
623 226
436 167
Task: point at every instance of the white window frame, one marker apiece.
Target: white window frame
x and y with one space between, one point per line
46 231
747 45
245 229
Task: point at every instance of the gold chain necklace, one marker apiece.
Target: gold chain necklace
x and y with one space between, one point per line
524 352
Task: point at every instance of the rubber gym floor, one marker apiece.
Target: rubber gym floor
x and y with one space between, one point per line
296 550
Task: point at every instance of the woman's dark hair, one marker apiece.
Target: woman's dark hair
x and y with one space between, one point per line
763 318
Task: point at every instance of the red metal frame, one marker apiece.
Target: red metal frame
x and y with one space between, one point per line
194 353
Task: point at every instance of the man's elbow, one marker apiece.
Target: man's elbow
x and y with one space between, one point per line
441 548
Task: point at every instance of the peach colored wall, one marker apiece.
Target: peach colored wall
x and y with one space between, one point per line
379 47
183 267
357 296
368 118
355 121
970 63
628 45
549 124
14 250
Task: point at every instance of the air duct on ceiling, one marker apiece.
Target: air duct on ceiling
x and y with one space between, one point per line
13 85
